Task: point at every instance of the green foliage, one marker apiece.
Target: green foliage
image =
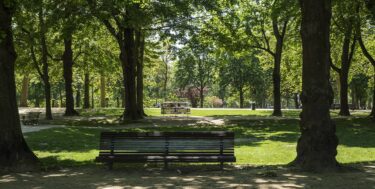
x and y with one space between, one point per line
359 87
223 45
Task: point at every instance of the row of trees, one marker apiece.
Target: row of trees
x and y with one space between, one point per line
234 31
234 51
71 32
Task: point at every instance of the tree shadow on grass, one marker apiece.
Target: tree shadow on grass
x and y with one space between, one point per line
352 133
64 139
54 163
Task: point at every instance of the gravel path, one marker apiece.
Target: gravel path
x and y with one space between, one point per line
189 177
29 128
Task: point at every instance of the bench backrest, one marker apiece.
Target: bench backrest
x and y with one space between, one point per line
175 108
167 143
32 115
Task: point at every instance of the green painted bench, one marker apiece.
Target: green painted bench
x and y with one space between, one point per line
31 118
136 147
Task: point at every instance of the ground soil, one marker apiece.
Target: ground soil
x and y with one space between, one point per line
190 176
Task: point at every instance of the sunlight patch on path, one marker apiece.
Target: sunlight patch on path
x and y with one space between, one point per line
35 128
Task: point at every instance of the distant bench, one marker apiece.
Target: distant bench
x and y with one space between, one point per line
338 106
135 147
175 108
31 118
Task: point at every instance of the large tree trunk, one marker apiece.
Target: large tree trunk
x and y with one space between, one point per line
344 73
92 97
127 58
45 76
372 61
47 93
86 91
316 148
68 76
165 82
201 95
372 114
191 96
78 96
140 47
241 98
60 97
344 107
24 91
14 152
102 91
276 78
370 4
37 87
122 97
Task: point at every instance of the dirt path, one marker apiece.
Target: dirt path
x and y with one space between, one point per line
35 128
189 177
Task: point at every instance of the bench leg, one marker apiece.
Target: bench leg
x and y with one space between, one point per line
110 165
221 165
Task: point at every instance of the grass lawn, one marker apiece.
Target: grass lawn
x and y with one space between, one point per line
258 142
194 112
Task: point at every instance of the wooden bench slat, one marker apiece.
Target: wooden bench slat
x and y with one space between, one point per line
170 134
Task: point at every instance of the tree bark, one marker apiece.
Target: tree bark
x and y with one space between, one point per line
102 91
276 78
92 97
45 76
78 96
37 86
344 72
191 96
165 83
372 61
24 91
140 46
128 61
241 98
316 148
372 114
122 97
344 107
86 96
60 97
201 96
68 76
15 155
47 92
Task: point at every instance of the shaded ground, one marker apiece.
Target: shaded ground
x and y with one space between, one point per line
190 177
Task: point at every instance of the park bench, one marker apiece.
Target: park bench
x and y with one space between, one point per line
338 106
31 118
175 108
135 147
